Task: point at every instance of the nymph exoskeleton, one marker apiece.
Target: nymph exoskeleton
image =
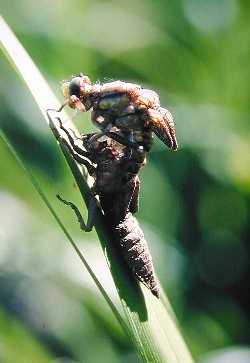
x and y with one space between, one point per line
124 111
117 185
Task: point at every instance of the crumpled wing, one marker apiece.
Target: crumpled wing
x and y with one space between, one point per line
163 126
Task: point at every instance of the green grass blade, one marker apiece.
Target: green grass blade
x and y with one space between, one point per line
41 92
152 325
65 231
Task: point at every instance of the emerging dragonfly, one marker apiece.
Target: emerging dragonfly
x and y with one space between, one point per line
123 111
117 185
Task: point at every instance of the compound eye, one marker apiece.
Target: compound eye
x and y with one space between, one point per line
75 86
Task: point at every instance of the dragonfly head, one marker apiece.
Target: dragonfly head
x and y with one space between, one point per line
76 91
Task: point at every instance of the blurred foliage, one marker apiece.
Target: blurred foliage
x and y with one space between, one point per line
194 203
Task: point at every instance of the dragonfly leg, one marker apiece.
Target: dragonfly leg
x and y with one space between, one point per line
72 140
92 208
122 139
134 202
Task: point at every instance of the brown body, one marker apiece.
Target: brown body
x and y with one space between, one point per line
117 184
122 107
129 115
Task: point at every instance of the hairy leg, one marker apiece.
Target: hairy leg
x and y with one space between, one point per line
72 140
76 151
77 157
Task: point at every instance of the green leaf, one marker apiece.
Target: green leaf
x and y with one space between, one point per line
17 343
150 321
26 68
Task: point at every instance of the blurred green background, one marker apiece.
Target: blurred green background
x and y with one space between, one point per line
194 206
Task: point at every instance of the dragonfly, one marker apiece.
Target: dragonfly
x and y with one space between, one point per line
115 171
123 111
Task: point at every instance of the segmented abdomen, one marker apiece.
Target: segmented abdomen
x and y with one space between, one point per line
134 249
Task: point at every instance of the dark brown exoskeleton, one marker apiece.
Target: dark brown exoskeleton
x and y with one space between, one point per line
117 185
123 111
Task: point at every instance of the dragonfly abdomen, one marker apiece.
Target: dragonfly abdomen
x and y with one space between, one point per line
135 251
